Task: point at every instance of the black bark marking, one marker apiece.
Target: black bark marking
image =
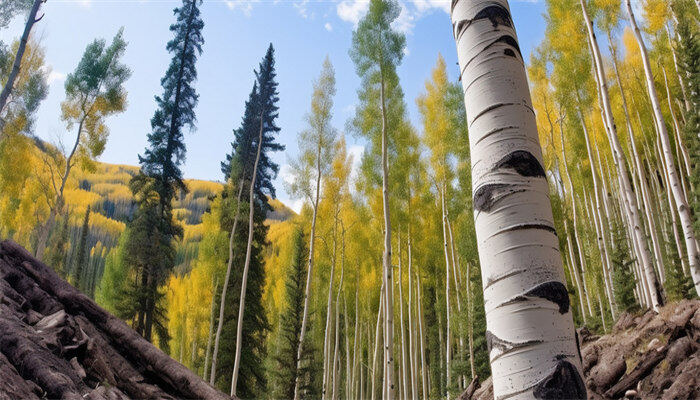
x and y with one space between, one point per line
564 383
509 52
578 346
491 281
495 131
507 39
497 14
490 108
553 291
547 228
483 197
523 162
505 346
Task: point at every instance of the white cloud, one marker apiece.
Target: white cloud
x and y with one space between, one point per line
406 51
356 151
328 27
55 76
411 11
286 174
352 10
302 9
246 6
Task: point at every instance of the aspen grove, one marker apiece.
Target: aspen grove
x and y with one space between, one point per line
530 195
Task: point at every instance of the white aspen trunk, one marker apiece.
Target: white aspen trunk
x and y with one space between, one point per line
607 286
681 200
602 312
621 163
386 259
358 332
448 335
675 65
224 289
575 276
211 329
309 273
644 189
329 309
375 359
455 274
246 267
470 327
530 330
412 350
598 214
672 211
581 280
680 147
336 379
404 358
348 371
424 366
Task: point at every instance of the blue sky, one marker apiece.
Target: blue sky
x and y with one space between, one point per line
237 33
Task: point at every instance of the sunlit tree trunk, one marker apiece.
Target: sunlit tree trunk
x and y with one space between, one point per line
336 379
404 356
246 267
329 313
421 338
386 259
682 150
448 335
412 348
377 339
224 289
630 202
309 273
528 316
680 199
205 376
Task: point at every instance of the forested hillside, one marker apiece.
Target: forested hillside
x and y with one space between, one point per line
533 194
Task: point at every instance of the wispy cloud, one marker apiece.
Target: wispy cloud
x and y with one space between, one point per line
352 10
328 27
55 76
411 11
245 6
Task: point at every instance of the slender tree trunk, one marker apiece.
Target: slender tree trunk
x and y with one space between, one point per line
9 84
675 65
246 267
448 334
351 392
413 351
681 201
211 329
455 275
329 308
224 289
309 273
424 365
518 246
375 359
621 163
386 261
336 378
680 147
404 358
580 280
470 327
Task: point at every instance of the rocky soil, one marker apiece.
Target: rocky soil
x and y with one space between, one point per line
646 356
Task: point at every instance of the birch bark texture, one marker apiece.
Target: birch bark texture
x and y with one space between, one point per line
530 331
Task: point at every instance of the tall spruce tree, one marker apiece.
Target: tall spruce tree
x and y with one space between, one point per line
286 359
81 258
153 229
259 121
623 277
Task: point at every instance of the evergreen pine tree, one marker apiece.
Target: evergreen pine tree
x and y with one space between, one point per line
623 277
678 285
81 255
285 372
153 229
688 49
260 114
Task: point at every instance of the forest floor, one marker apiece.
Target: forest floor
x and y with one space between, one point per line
645 356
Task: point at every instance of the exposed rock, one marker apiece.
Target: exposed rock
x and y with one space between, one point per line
55 342
647 356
